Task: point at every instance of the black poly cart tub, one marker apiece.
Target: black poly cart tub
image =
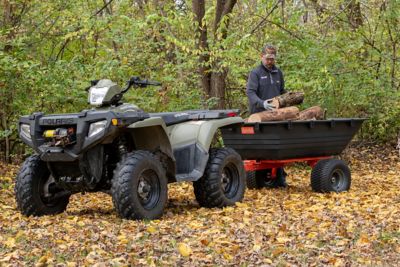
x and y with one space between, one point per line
280 140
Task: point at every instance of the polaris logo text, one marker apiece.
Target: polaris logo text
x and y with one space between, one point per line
58 121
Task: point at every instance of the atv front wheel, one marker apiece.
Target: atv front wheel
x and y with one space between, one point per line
139 186
223 182
36 192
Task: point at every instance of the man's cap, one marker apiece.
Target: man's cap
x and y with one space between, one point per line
270 55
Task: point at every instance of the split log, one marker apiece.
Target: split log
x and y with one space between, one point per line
287 99
313 113
289 113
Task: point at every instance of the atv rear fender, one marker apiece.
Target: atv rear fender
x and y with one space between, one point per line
191 142
151 134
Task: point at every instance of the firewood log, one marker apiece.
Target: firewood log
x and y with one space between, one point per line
289 113
287 99
313 113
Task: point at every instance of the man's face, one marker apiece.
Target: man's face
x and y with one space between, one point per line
268 59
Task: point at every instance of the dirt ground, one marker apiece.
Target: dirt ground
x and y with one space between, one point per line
271 227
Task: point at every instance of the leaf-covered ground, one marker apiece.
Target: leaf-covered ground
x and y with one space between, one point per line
277 227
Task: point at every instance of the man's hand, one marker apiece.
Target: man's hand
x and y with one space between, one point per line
268 106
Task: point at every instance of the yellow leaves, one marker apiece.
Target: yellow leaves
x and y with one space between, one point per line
151 229
123 239
312 235
267 261
341 243
227 256
42 261
282 240
270 227
228 210
45 260
256 247
241 205
10 243
184 249
196 225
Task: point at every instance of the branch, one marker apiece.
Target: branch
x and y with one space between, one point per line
222 9
275 6
286 30
104 7
62 48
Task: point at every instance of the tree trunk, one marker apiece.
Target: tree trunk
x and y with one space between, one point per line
354 14
202 45
282 114
218 87
212 76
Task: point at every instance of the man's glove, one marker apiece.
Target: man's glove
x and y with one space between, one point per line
268 106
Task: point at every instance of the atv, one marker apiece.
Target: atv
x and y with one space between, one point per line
119 149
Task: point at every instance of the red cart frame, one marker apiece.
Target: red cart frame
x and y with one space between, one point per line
255 165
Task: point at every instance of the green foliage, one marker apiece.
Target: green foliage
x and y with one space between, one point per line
49 51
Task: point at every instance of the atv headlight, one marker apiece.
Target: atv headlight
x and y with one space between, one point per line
25 131
97 94
97 127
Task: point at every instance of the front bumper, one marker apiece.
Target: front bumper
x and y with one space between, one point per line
39 122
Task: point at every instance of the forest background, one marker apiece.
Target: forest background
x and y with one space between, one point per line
343 55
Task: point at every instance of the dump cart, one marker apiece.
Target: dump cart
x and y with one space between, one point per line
267 146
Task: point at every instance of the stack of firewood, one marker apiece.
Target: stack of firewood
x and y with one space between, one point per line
285 110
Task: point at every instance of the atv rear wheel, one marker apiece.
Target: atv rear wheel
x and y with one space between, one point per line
223 182
139 186
330 175
36 192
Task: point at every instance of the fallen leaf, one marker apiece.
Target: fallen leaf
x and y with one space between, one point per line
184 249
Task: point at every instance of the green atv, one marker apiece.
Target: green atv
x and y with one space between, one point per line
120 149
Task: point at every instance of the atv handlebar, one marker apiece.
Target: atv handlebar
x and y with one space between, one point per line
133 81
137 82
142 83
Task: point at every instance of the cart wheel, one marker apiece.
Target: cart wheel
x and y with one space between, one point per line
262 179
330 175
251 180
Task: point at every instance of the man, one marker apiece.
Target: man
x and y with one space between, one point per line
266 82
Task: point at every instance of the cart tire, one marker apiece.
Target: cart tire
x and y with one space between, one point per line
139 187
259 179
223 183
251 180
330 175
30 185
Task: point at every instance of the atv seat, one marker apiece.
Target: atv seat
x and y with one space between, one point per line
171 118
